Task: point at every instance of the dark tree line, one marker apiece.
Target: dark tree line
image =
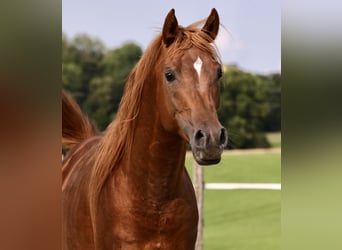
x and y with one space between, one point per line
95 76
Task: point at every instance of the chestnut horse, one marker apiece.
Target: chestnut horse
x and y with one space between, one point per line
127 188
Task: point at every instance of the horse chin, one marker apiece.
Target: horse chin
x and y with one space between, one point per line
207 162
205 159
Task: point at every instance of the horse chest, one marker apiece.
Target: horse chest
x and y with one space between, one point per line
149 216
148 226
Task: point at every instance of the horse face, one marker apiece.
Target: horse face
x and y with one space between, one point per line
191 80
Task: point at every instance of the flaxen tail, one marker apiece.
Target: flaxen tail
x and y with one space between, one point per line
76 126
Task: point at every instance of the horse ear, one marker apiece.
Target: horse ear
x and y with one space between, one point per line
212 24
170 28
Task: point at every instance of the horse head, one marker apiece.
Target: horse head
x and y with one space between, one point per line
191 70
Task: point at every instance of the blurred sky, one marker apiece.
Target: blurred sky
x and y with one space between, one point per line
252 38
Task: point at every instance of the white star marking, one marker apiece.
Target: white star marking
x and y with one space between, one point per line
198 66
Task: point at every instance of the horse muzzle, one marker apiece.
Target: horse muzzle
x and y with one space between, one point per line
207 145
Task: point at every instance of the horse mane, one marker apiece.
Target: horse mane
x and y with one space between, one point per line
118 137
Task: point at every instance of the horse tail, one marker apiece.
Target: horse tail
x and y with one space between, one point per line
76 126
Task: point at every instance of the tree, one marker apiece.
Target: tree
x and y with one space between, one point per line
272 121
106 91
243 108
81 59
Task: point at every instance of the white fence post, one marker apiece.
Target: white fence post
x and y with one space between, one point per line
199 187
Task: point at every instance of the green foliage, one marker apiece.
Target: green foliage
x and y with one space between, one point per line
106 91
81 59
243 108
272 122
96 77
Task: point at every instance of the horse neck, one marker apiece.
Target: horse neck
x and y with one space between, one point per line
157 156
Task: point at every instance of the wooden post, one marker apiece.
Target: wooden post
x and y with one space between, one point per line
199 187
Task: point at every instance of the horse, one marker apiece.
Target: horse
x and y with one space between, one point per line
127 187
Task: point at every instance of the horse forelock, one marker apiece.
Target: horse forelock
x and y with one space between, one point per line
192 36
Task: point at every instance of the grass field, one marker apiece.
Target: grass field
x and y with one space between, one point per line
242 219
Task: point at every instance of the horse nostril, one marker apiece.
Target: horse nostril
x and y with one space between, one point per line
223 137
199 138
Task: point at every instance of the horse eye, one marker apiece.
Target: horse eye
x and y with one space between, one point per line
170 76
219 73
